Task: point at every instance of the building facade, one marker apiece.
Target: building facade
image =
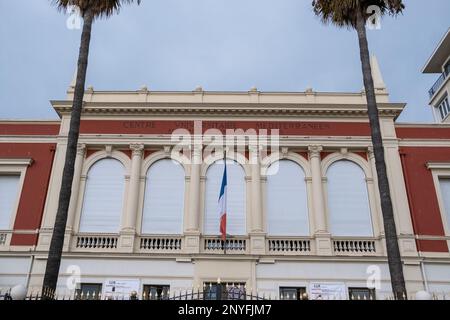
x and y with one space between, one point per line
303 208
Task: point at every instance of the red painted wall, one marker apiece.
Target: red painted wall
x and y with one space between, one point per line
34 191
20 129
422 196
307 128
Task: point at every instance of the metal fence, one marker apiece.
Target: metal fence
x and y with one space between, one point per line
192 294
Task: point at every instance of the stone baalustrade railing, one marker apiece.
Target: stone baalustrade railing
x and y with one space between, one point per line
290 246
160 244
355 247
96 242
218 246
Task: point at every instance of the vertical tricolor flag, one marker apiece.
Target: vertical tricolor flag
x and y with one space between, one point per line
223 205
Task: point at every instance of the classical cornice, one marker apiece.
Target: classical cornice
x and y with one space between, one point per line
231 109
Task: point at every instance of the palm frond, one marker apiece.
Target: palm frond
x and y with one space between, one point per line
100 8
342 13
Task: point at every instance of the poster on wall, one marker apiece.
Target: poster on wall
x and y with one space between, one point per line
327 291
115 288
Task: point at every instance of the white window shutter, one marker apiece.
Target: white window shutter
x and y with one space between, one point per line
445 193
9 188
236 198
103 197
287 207
348 201
164 198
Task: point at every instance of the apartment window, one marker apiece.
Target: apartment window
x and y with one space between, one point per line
103 197
156 292
444 108
361 294
348 200
287 208
9 188
224 291
293 293
89 291
236 198
445 196
164 198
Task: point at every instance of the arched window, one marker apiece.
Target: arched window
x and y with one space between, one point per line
287 207
103 197
164 198
348 201
236 197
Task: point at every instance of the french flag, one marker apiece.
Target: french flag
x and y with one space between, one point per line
223 205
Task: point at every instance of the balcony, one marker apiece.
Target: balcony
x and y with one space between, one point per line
439 82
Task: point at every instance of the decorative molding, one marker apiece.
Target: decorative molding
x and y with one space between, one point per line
192 108
16 162
438 165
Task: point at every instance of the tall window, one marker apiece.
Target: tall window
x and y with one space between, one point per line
287 208
164 198
103 197
236 221
444 108
9 188
445 192
348 201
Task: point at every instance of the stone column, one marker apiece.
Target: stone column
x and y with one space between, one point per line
257 235
81 151
321 233
372 188
128 231
192 234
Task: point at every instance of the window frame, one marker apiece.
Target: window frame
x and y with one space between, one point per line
14 167
88 163
233 159
445 105
142 197
441 171
308 204
300 292
370 197
371 293
163 296
98 294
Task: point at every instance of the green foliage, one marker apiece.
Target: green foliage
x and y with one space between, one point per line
343 13
100 8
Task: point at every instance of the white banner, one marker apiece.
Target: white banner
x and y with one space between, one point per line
327 291
118 288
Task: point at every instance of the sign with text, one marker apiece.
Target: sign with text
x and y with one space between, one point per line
327 291
120 288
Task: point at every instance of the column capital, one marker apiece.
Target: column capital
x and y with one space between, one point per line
370 152
81 149
137 149
315 150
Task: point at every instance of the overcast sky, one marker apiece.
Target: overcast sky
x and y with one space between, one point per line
218 44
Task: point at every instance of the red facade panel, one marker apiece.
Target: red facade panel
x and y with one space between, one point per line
426 215
34 190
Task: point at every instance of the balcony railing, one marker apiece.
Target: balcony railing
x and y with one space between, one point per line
216 245
97 242
438 84
354 247
160 244
289 246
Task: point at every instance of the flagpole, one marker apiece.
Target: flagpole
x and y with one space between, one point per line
225 166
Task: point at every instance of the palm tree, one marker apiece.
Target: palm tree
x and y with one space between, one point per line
89 10
353 14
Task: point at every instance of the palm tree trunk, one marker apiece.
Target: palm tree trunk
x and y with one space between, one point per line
57 242
393 252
